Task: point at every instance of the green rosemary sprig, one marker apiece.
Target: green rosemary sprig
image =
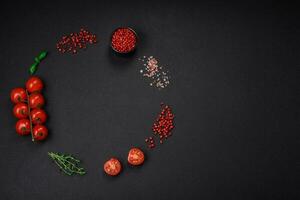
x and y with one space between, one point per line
67 163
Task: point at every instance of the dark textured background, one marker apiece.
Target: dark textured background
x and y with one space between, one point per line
234 71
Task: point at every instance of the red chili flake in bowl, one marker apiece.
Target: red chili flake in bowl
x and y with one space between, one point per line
162 126
75 41
123 40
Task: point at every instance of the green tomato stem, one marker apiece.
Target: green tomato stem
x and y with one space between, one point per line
29 116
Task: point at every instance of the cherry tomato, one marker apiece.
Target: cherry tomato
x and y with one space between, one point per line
20 110
36 100
136 156
34 84
23 127
39 132
18 95
112 167
38 116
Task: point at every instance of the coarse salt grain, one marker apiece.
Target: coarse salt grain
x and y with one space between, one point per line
154 72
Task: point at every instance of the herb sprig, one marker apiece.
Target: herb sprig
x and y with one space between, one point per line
67 163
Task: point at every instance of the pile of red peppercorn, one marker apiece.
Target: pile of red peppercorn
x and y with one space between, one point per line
164 123
162 126
75 41
27 109
123 40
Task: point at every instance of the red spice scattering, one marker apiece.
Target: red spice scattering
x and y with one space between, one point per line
150 142
162 126
75 41
164 123
123 40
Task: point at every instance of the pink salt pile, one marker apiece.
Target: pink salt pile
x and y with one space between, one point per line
154 72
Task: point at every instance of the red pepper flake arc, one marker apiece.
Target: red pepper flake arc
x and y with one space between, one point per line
75 41
162 126
123 40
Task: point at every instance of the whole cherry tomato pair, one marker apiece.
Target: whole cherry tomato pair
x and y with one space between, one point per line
39 132
34 84
35 101
113 166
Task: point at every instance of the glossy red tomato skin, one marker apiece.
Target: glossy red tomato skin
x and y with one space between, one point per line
34 84
36 100
112 167
23 127
38 116
18 95
136 156
40 132
20 110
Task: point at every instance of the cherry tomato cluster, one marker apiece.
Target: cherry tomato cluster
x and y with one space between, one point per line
113 166
28 109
